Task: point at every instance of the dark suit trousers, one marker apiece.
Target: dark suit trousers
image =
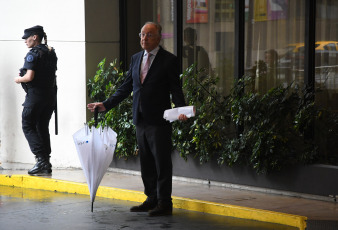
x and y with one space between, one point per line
155 146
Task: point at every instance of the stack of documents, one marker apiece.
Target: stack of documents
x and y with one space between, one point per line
172 114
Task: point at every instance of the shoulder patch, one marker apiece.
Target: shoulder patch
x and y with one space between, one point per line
30 58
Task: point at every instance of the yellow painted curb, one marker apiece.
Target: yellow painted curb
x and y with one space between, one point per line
136 196
240 212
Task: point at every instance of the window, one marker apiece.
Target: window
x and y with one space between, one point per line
274 43
224 10
140 12
326 55
161 12
208 37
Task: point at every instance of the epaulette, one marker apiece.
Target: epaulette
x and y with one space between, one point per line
39 51
35 50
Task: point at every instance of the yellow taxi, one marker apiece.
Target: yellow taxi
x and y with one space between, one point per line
326 54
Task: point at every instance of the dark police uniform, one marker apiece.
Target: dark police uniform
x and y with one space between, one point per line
39 104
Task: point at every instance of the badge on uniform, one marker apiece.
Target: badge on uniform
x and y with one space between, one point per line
30 58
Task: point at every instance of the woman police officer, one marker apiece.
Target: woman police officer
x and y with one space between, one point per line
39 81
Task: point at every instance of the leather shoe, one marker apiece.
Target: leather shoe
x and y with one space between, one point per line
162 210
144 207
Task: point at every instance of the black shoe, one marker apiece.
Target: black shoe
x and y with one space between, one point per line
42 167
162 210
144 207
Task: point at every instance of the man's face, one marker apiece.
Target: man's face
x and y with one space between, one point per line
150 38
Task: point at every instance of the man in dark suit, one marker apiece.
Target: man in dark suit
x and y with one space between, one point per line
153 77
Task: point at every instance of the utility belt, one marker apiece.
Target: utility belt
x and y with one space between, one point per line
28 86
34 90
31 86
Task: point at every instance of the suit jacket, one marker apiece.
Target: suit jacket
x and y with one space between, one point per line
153 96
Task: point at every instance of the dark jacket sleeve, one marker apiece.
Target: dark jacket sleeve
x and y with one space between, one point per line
175 85
121 93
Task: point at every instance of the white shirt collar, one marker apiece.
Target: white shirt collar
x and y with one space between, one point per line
153 52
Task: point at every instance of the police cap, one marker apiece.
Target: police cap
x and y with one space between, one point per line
35 30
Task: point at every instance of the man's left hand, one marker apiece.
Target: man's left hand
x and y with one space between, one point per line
182 117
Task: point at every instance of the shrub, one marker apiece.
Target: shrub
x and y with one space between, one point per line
267 132
103 85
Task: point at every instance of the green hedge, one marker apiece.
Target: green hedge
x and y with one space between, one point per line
265 132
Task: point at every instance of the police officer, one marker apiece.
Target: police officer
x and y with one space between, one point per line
37 77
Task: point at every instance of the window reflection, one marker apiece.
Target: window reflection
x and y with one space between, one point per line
275 33
326 54
158 11
164 15
274 43
208 30
193 53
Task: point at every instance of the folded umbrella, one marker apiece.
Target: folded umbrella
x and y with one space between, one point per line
95 148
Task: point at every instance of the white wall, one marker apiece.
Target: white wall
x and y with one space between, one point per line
64 24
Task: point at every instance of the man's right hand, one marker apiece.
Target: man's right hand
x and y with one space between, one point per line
98 105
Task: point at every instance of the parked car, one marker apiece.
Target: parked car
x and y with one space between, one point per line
326 54
293 56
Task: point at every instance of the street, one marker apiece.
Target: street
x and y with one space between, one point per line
22 209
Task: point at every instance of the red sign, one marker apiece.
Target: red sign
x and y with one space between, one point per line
197 11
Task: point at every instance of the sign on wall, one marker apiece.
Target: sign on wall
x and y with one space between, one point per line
277 9
270 9
197 11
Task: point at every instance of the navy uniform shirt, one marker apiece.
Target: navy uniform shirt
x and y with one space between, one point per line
36 94
30 61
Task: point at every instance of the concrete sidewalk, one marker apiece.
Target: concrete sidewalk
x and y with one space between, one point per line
213 198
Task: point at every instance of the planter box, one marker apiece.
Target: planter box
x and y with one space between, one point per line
319 180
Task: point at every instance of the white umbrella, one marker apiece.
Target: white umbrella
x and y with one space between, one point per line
95 148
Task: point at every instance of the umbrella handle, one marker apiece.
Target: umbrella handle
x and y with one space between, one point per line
96 112
86 126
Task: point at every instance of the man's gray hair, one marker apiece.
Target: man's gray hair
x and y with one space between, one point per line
158 27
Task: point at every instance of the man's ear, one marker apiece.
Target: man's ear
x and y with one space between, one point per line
35 37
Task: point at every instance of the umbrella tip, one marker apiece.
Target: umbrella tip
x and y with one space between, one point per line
92 206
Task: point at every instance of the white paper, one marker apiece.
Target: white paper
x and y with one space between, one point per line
172 114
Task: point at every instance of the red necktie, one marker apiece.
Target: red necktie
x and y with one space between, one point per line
146 68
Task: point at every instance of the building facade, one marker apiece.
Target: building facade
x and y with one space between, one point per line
296 40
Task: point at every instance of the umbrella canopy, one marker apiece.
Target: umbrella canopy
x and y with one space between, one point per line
95 148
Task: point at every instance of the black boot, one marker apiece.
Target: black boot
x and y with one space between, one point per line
42 167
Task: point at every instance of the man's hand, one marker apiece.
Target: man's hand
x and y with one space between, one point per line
182 117
98 105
